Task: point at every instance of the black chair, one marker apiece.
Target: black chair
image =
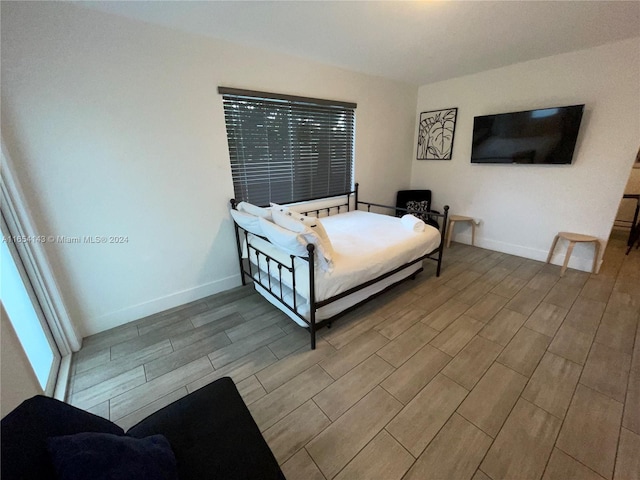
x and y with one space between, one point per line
418 203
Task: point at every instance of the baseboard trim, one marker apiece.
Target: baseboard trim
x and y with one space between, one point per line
141 310
581 258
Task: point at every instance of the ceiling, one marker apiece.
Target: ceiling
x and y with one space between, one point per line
417 42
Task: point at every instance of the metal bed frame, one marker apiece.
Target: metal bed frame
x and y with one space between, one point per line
275 266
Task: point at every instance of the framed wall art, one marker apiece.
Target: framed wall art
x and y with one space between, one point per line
435 134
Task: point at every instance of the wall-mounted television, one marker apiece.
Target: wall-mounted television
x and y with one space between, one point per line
544 136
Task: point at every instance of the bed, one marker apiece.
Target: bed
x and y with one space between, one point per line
369 253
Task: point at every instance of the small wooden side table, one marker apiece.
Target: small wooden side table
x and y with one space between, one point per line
574 238
460 218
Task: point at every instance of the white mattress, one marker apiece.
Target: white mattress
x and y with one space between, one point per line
366 245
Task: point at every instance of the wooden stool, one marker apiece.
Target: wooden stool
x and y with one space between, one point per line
460 218
574 238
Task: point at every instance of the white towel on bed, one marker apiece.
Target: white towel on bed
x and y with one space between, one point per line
412 223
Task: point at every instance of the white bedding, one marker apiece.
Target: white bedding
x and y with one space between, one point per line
366 245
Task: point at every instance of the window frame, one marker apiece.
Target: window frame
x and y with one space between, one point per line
262 177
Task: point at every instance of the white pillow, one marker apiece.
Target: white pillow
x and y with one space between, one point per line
285 220
254 210
291 242
248 222
300 223
316 225
279 208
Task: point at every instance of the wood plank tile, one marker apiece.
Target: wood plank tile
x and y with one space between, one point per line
290 343
101 409
188 354
338 397
472 362
110 337
574 278
339 337
524 444
489 403
284 370
157 322
552 384
254 324
131 346
620 301
234 351
486 264
109 370
293 432
494 276
528 269
480 475
562 295
509 287
546 319
419 422
90 397
354 353
485 309
398 302
144 394
396 324
383 458
503 326
598 289
407 344
525 351
415 373
343 439
562 467
456 452
435 298
239 369
571 344
585 315
607 371
137 416
301 467
286 398
90 358
631 419
526 301
250 389
617 330
590 430
475 291
543 281
224 313
463 280
210 329
635 361
445 314
628 459
453 338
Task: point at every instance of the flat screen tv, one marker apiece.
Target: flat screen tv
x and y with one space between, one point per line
545 136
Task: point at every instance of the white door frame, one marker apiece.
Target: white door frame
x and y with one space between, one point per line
38 271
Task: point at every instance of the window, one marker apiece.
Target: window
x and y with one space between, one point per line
286 149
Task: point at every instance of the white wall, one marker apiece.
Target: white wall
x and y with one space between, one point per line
116 128
19 382
522 207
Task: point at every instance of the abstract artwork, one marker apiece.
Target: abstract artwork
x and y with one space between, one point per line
435 134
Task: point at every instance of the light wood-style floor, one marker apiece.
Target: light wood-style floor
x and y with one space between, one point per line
498 369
